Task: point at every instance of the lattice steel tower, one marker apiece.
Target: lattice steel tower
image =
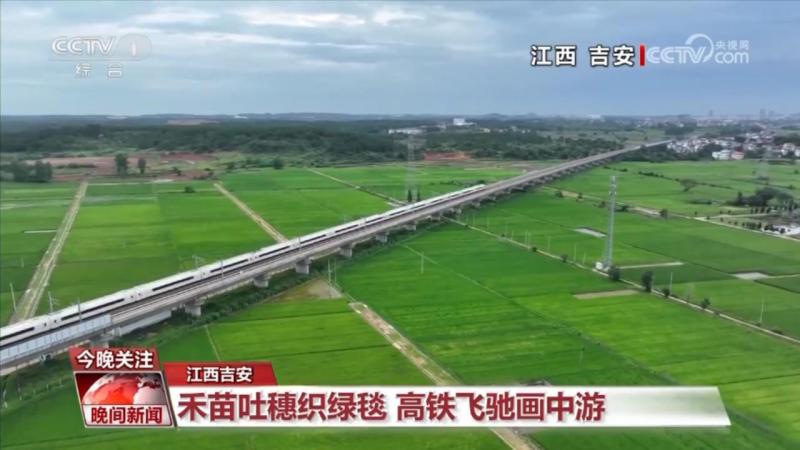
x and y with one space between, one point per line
612 207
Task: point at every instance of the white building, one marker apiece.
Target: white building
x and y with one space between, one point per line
411 131
722 155
789 148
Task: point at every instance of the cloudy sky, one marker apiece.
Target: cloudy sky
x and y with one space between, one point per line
370 57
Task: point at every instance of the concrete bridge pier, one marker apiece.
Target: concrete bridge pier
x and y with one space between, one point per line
382 237
194 309
303 266
101 341
261 281
412 226
346 251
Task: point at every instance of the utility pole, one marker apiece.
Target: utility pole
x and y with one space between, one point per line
50 300
670 281
612 206
761 317
13 298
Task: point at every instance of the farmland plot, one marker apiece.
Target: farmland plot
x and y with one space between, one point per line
30 214
298 201
288 335
126 234
486 311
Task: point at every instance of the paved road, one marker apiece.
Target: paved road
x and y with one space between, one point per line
266 226
29 301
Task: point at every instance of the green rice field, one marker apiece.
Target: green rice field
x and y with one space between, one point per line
29 216
287 334
127 234
720 181
790 283
706 256
431 179
298 201
487 310
492 313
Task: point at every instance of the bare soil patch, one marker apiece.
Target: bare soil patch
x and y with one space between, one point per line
750 275
318 288
447 156
664 264
590 232
619 293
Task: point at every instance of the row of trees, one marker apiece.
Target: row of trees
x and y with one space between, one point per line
410 196
121 163
517 145
764 197
38 172
648 280
327 142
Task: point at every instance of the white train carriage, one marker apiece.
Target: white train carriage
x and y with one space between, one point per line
93 310
23 330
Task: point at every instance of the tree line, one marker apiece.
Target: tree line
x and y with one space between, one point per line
334 142
20 171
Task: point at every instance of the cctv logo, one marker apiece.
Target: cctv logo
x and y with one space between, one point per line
700 48
129 47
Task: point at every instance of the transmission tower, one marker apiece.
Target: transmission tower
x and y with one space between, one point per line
762 173
412 144
612 206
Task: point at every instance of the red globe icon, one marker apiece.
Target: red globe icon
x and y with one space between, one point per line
126 389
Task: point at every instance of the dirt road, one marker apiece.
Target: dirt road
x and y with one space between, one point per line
29 301
266 226
432 370
390 200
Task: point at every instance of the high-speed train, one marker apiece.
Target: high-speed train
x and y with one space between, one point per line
75 314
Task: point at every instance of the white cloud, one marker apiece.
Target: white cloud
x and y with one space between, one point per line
239 38
255 16
175 14
386 16
259 39
25 12
312 64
